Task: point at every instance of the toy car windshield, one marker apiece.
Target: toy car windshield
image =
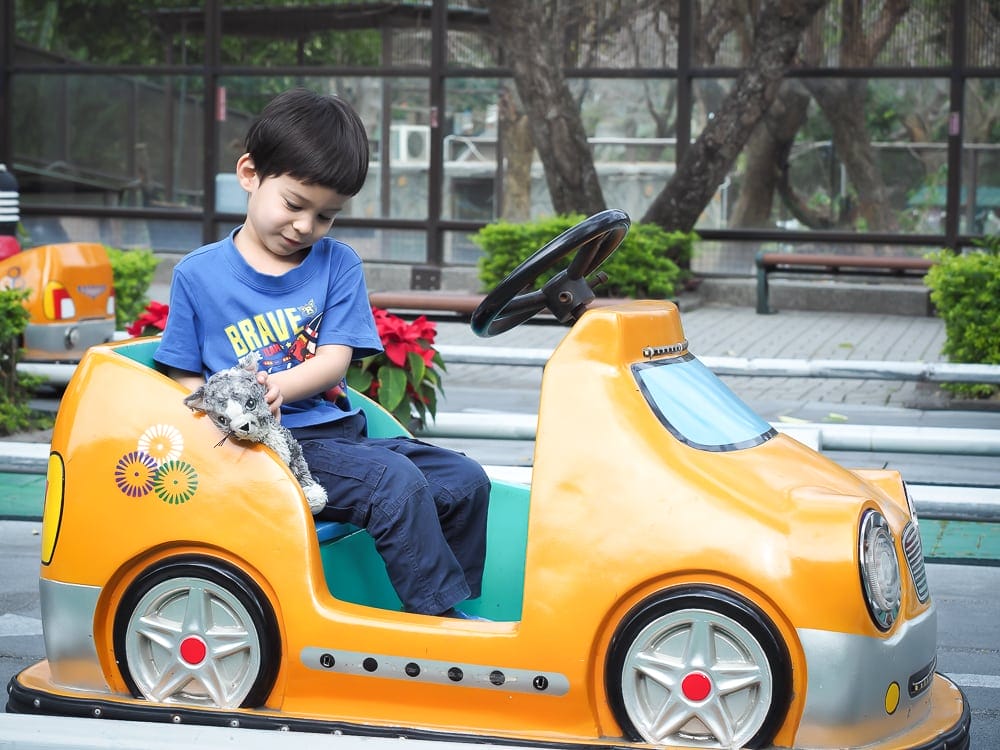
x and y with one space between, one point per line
697 407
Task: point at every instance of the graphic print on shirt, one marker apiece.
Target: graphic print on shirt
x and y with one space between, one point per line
283 356
283 341
275 334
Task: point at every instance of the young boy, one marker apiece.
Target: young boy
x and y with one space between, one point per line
279 286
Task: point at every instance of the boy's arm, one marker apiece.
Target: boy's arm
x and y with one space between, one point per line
318 374
190 380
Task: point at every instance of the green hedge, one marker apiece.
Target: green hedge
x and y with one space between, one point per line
965 289
16 413
646 265
133 273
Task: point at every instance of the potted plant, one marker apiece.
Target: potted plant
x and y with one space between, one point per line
405 377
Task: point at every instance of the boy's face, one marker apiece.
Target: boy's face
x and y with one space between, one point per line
284 215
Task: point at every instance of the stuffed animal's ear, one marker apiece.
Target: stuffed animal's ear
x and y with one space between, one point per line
249 362
196 400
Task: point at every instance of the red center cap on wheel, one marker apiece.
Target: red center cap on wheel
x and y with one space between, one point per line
193 650
696 686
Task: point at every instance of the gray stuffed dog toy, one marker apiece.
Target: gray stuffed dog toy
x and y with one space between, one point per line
234 401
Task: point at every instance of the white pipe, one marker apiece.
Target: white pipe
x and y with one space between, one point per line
935 372
953 441
954 503
929 372
54 374
482 426
958 441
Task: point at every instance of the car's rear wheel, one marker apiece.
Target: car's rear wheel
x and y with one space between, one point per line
197 632
701 667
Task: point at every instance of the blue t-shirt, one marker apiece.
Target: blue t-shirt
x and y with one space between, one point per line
221 309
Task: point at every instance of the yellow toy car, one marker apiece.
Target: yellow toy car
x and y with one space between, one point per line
677 573
71 298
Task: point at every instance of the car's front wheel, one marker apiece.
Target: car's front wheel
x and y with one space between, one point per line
701 667
196 632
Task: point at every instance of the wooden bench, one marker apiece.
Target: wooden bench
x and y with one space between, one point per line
434 303
427 301
857 265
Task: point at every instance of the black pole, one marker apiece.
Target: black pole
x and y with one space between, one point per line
435 177
953 199
6 63
210 161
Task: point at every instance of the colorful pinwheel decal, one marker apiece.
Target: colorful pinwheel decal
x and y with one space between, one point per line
175 482
154 467
134 474
162 442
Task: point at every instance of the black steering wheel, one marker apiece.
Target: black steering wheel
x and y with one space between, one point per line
566 294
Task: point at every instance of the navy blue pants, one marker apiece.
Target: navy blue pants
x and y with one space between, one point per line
425 507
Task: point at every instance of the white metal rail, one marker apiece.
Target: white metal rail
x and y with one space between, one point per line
935 372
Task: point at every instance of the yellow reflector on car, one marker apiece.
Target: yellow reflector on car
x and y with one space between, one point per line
55 488
892 698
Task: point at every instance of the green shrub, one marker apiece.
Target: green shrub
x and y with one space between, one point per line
646 265
965 289
133 273
16 415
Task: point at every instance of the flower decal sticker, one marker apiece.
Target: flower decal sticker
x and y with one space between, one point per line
154 467
162 442
134 474
175 482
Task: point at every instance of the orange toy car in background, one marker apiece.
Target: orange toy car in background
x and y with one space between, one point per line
71 298
677 573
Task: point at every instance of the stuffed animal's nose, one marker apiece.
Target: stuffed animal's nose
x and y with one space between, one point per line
244 426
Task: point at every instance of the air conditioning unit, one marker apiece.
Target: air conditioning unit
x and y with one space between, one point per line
410 144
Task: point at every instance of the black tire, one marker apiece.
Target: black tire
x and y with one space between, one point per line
679 646
197 632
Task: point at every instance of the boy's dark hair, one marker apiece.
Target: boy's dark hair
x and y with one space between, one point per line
317 139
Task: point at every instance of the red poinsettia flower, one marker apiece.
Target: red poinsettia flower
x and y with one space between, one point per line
151 321
404 378
399 338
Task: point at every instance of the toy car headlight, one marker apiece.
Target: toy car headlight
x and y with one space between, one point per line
880 579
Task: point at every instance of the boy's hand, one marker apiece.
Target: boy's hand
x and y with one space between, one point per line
272 394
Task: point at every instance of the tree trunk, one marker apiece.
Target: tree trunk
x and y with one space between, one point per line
533 51
766 156
708 160
843 104
842 101
518 151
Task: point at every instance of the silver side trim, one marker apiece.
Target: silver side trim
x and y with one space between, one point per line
68 629
850 675
419 670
